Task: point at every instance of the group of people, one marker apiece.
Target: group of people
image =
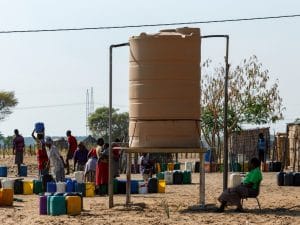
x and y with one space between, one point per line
93 162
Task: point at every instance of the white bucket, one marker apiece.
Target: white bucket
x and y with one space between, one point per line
188 166
79 176
234 180
169 177
61 187
7 184
143 187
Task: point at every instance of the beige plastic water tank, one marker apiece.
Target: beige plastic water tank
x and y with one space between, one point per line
164 89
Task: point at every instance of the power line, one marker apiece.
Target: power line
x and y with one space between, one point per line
149 25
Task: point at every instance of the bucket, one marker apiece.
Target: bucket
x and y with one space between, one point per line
73 205
7 184
161 186
234 180
188 166
51 187
23 171
170 166
79 176
43 205
57 205
39 127
168 177
27 187
6 197
3 171
37 186
143 187
89 189
61 187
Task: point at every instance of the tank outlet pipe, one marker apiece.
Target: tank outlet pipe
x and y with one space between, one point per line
110 160
225 172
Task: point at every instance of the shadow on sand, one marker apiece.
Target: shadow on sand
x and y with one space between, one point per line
211 208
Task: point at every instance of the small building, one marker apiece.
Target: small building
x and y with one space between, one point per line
243 144
293 132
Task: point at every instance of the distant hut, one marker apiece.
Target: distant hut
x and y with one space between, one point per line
293 132
280 148
243 144
60 143
89 141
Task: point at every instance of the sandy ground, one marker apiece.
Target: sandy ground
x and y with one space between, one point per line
280 205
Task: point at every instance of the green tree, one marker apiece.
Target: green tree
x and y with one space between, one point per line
7 102
252 99
98 123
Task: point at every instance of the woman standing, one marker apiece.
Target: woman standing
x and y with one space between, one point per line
42 157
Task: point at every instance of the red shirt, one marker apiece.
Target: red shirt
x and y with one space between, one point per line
72 143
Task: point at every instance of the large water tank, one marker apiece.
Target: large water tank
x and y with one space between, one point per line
164 89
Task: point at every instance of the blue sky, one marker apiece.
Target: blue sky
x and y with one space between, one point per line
58 68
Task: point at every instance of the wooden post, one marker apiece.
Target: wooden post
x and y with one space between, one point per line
128 179
202 181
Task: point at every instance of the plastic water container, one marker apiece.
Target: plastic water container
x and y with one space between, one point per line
6 197
51 187
161 186
73 205
280 178
296 179
234 180
18 187
37 186
157 168
170 166
61 187
177 166
43 205
121 186
39 127
160 176
152 185
289 179
169 177
134 187
79 176
57 205
177 177
89 189
143 187
115 181
69 186
23 171
7 184
3 171
80 187
188 166
187 177
27 187
164 167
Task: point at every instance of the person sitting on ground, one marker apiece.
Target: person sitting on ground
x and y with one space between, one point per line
80 157
146 166
249 187
56 161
